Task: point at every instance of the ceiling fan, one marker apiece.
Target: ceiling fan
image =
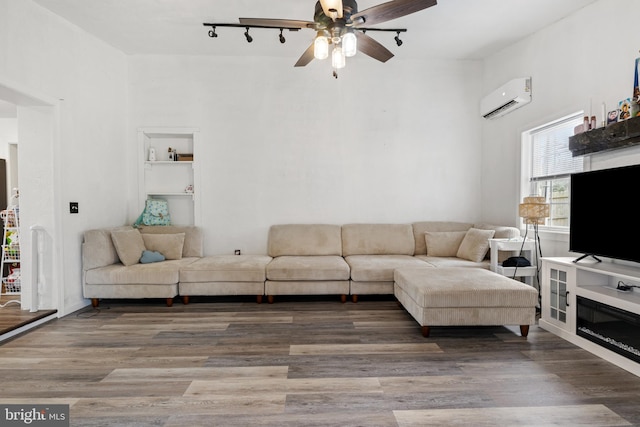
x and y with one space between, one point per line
339 23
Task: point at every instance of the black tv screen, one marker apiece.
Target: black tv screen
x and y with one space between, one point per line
603 217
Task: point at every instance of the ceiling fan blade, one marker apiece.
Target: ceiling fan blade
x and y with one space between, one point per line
306 57
390 10
371 47
277 23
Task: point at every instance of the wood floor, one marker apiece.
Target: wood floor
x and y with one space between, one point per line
14 318
306 362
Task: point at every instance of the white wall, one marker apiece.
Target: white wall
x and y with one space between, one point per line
394 142
86 79
583 59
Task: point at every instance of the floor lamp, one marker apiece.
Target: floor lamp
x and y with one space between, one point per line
534 210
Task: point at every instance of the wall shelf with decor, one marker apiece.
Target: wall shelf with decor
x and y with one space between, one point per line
614 136
163 176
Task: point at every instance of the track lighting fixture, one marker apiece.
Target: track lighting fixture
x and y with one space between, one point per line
397 39
344 40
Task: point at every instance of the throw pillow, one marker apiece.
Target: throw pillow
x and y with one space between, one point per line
475 244
151 256
129 245
443 243
169 245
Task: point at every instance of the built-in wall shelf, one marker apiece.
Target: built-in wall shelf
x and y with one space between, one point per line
163 178
617 135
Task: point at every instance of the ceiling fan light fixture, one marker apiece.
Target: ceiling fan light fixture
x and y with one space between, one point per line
321 47
338 60
332 8
349 44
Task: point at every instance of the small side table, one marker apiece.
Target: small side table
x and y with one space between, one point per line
513 246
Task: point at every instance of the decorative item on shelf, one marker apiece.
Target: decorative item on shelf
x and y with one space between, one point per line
636 82
152 154
170 152
625 109
189 189
185 157
612 117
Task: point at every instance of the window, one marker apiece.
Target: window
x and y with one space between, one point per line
548 164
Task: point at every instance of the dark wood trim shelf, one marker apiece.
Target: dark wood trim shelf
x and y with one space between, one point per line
618 135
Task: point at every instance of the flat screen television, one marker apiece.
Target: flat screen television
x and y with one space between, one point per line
603 215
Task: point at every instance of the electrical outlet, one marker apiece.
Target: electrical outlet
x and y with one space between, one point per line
237 252
73 207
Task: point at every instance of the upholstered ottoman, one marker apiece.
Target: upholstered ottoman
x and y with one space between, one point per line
224 275
464 296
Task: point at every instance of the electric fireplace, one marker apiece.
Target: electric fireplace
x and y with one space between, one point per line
610 327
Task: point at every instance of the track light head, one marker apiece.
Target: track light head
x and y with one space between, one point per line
282 39
247 36
212 33
397 39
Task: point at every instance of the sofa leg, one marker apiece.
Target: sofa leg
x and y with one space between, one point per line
169 302
425 331
259 299
95 302
270 299
343 298
354 298
185 299
524 330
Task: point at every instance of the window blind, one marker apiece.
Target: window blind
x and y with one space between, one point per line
550 156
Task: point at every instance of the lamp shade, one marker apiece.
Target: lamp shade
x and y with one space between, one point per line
332 8
321 47
349 44
338 59
534 210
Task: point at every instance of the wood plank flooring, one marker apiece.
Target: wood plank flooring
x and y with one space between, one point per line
306 362
13 317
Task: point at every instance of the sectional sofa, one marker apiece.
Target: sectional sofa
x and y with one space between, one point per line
301 259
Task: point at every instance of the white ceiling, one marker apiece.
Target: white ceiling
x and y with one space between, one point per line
454 29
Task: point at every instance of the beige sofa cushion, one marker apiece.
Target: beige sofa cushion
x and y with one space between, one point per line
379 268
475 244
464 287
304 239
98 249
323 267
501 232
419 228
378 239
193 237
443 243
226 268
169 245
445 261
129 245
159 273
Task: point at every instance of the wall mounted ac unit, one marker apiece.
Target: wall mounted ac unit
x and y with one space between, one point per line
506 98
